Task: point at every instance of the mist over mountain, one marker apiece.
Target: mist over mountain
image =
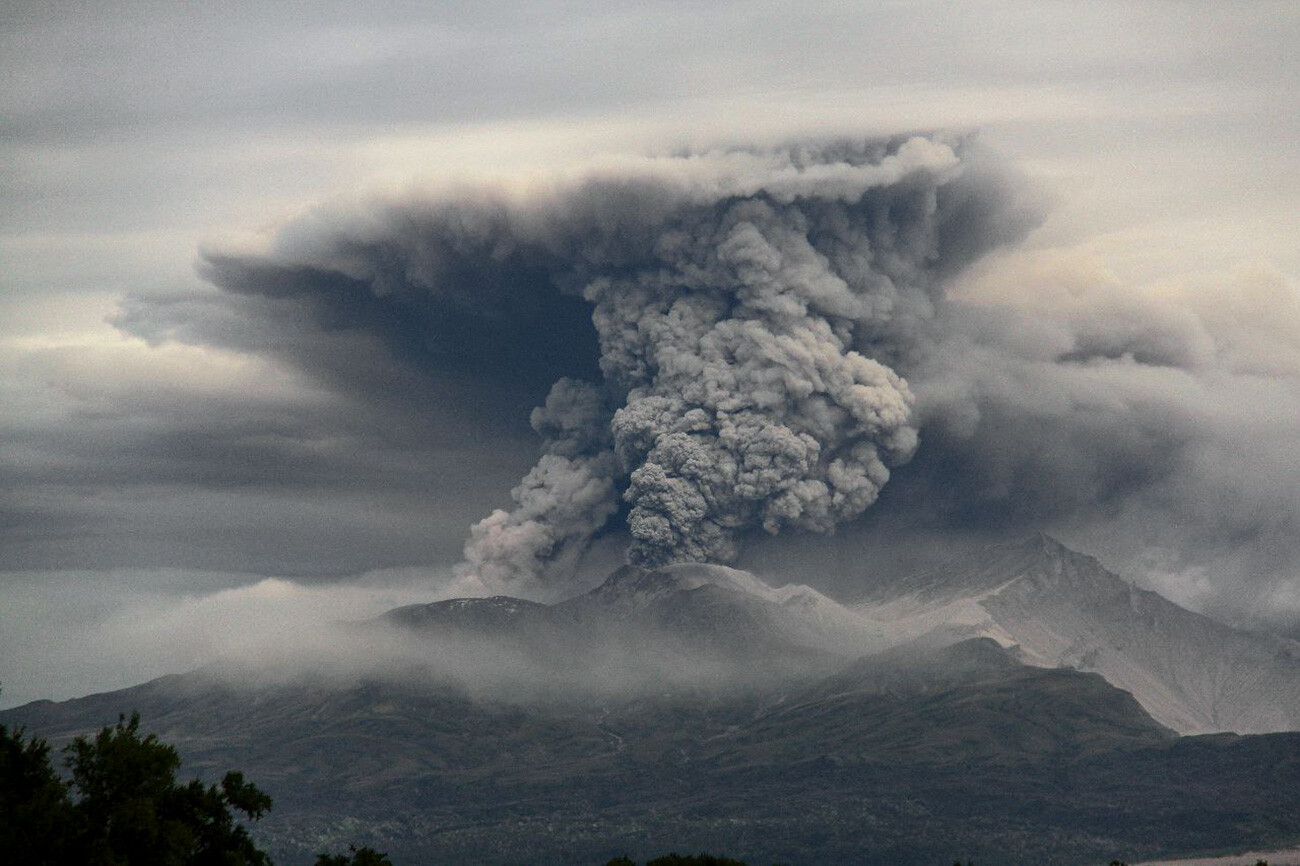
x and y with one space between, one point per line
1050 606
711 628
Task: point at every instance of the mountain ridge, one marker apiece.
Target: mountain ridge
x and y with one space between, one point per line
1063 608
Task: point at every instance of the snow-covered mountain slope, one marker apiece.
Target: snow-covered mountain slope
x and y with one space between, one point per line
1061 608
496 612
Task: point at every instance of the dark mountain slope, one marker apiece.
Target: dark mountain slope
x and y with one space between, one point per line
967 703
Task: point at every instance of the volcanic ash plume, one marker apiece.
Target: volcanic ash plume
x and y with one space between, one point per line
730 331
738 298
566 497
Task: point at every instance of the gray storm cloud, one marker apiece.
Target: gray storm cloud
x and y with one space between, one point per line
748 307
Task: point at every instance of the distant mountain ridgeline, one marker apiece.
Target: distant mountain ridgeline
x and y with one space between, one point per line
1056 607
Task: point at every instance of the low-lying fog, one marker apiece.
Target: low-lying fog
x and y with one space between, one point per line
274 629
66 634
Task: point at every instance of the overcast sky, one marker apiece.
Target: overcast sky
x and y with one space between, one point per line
156 456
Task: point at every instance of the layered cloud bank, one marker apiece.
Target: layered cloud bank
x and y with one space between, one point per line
733 344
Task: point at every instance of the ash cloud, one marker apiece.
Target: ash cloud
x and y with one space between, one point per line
566 498
725 345
721 327
1153 423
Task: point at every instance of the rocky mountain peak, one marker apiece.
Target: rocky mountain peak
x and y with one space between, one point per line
1046 548
627 589
494 610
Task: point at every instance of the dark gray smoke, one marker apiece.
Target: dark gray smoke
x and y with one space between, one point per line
729 296
747 307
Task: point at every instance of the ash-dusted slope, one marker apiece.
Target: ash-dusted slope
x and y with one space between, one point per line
970 702
793 613
1062 608
1056 607
692 626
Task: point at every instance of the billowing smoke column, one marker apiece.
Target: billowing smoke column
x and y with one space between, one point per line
566 497
738 298
730 329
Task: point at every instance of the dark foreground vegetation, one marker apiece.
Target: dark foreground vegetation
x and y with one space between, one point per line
680 860
121 805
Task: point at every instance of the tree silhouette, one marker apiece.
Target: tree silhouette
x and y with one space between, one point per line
123 805
365 856
35 813
129 807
